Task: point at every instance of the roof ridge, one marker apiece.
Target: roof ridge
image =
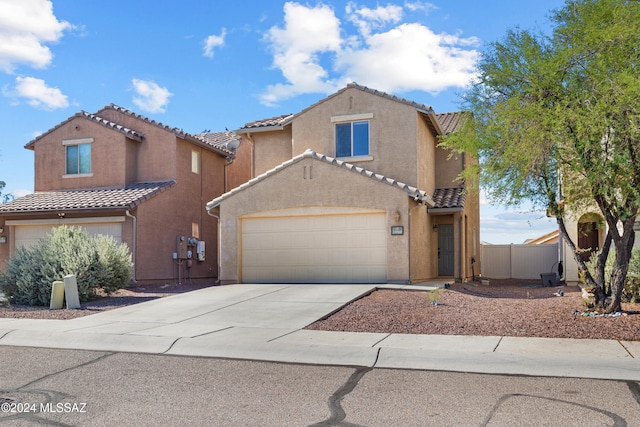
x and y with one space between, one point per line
146 119
414 192
175 130
133 134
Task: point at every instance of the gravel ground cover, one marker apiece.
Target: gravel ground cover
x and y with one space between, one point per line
121 298
502 308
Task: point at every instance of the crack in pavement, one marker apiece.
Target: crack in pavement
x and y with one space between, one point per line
634 388
618 421
335 401
51 397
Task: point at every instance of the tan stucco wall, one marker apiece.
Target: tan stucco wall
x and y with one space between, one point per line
426 157
239 171
571 223
180 211
156 153
392 132
5 247
423 257
288 189
109 161
448 169
270 149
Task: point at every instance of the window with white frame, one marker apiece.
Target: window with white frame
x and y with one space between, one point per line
195 161
352 139
78 156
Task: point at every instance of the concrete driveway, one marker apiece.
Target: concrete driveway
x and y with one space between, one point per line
265 322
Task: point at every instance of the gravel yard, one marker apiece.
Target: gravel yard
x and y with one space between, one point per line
121 298
504 308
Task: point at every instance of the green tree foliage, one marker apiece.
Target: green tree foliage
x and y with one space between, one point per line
4 198
555 120
98 263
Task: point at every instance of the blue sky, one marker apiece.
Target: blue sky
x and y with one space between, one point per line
213 65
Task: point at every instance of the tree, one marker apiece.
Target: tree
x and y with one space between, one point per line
4 198
555 119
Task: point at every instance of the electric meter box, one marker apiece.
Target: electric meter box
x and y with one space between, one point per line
181 247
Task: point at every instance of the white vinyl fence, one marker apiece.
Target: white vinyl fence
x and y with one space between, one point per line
518 261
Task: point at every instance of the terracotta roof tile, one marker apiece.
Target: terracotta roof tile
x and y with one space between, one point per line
129 133
218 139
271 122
126 197
279 121
450 122
449 198
176 131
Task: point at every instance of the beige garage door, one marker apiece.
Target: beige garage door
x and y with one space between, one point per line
27 235
315 249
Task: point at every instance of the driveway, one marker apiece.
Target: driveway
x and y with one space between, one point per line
265 322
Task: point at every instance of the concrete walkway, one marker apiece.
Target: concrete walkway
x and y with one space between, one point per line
265 322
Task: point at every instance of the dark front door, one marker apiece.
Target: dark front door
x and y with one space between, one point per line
445 250
587 239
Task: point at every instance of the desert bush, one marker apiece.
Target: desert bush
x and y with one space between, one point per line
97 262
631 291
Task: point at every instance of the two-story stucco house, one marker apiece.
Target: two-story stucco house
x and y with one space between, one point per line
144 183
352 189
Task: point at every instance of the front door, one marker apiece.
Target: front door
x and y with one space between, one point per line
445 250
587 239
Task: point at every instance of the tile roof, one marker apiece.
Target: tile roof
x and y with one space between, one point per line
270 123
450 122
127 197
176 131
129 133
411 191
218 139
217 144
449 198
275 123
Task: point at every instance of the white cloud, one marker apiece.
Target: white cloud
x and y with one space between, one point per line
307 33
366 19
418 5
150 96
20 192
315 53
25 27
212 42
409 57
37 94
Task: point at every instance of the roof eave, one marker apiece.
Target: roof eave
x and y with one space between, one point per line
259 129
444 211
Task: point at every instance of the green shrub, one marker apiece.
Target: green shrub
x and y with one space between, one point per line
97 262
631 291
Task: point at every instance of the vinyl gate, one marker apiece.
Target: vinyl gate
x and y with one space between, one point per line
518 261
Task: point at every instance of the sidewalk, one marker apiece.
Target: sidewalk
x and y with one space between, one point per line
265 322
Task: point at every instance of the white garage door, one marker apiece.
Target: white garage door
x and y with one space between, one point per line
315 249
28 235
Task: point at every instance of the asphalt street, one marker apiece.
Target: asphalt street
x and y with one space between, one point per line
41 386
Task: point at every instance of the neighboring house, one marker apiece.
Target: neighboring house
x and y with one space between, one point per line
144 183
352 189
587 230
551 237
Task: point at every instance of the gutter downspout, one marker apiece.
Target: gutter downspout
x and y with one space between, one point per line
219 244
135 242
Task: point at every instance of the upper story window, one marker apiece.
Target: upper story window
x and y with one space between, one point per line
195 162
78 156
352 135
352 139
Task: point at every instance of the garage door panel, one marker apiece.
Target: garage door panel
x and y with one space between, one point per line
315 249
28 235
